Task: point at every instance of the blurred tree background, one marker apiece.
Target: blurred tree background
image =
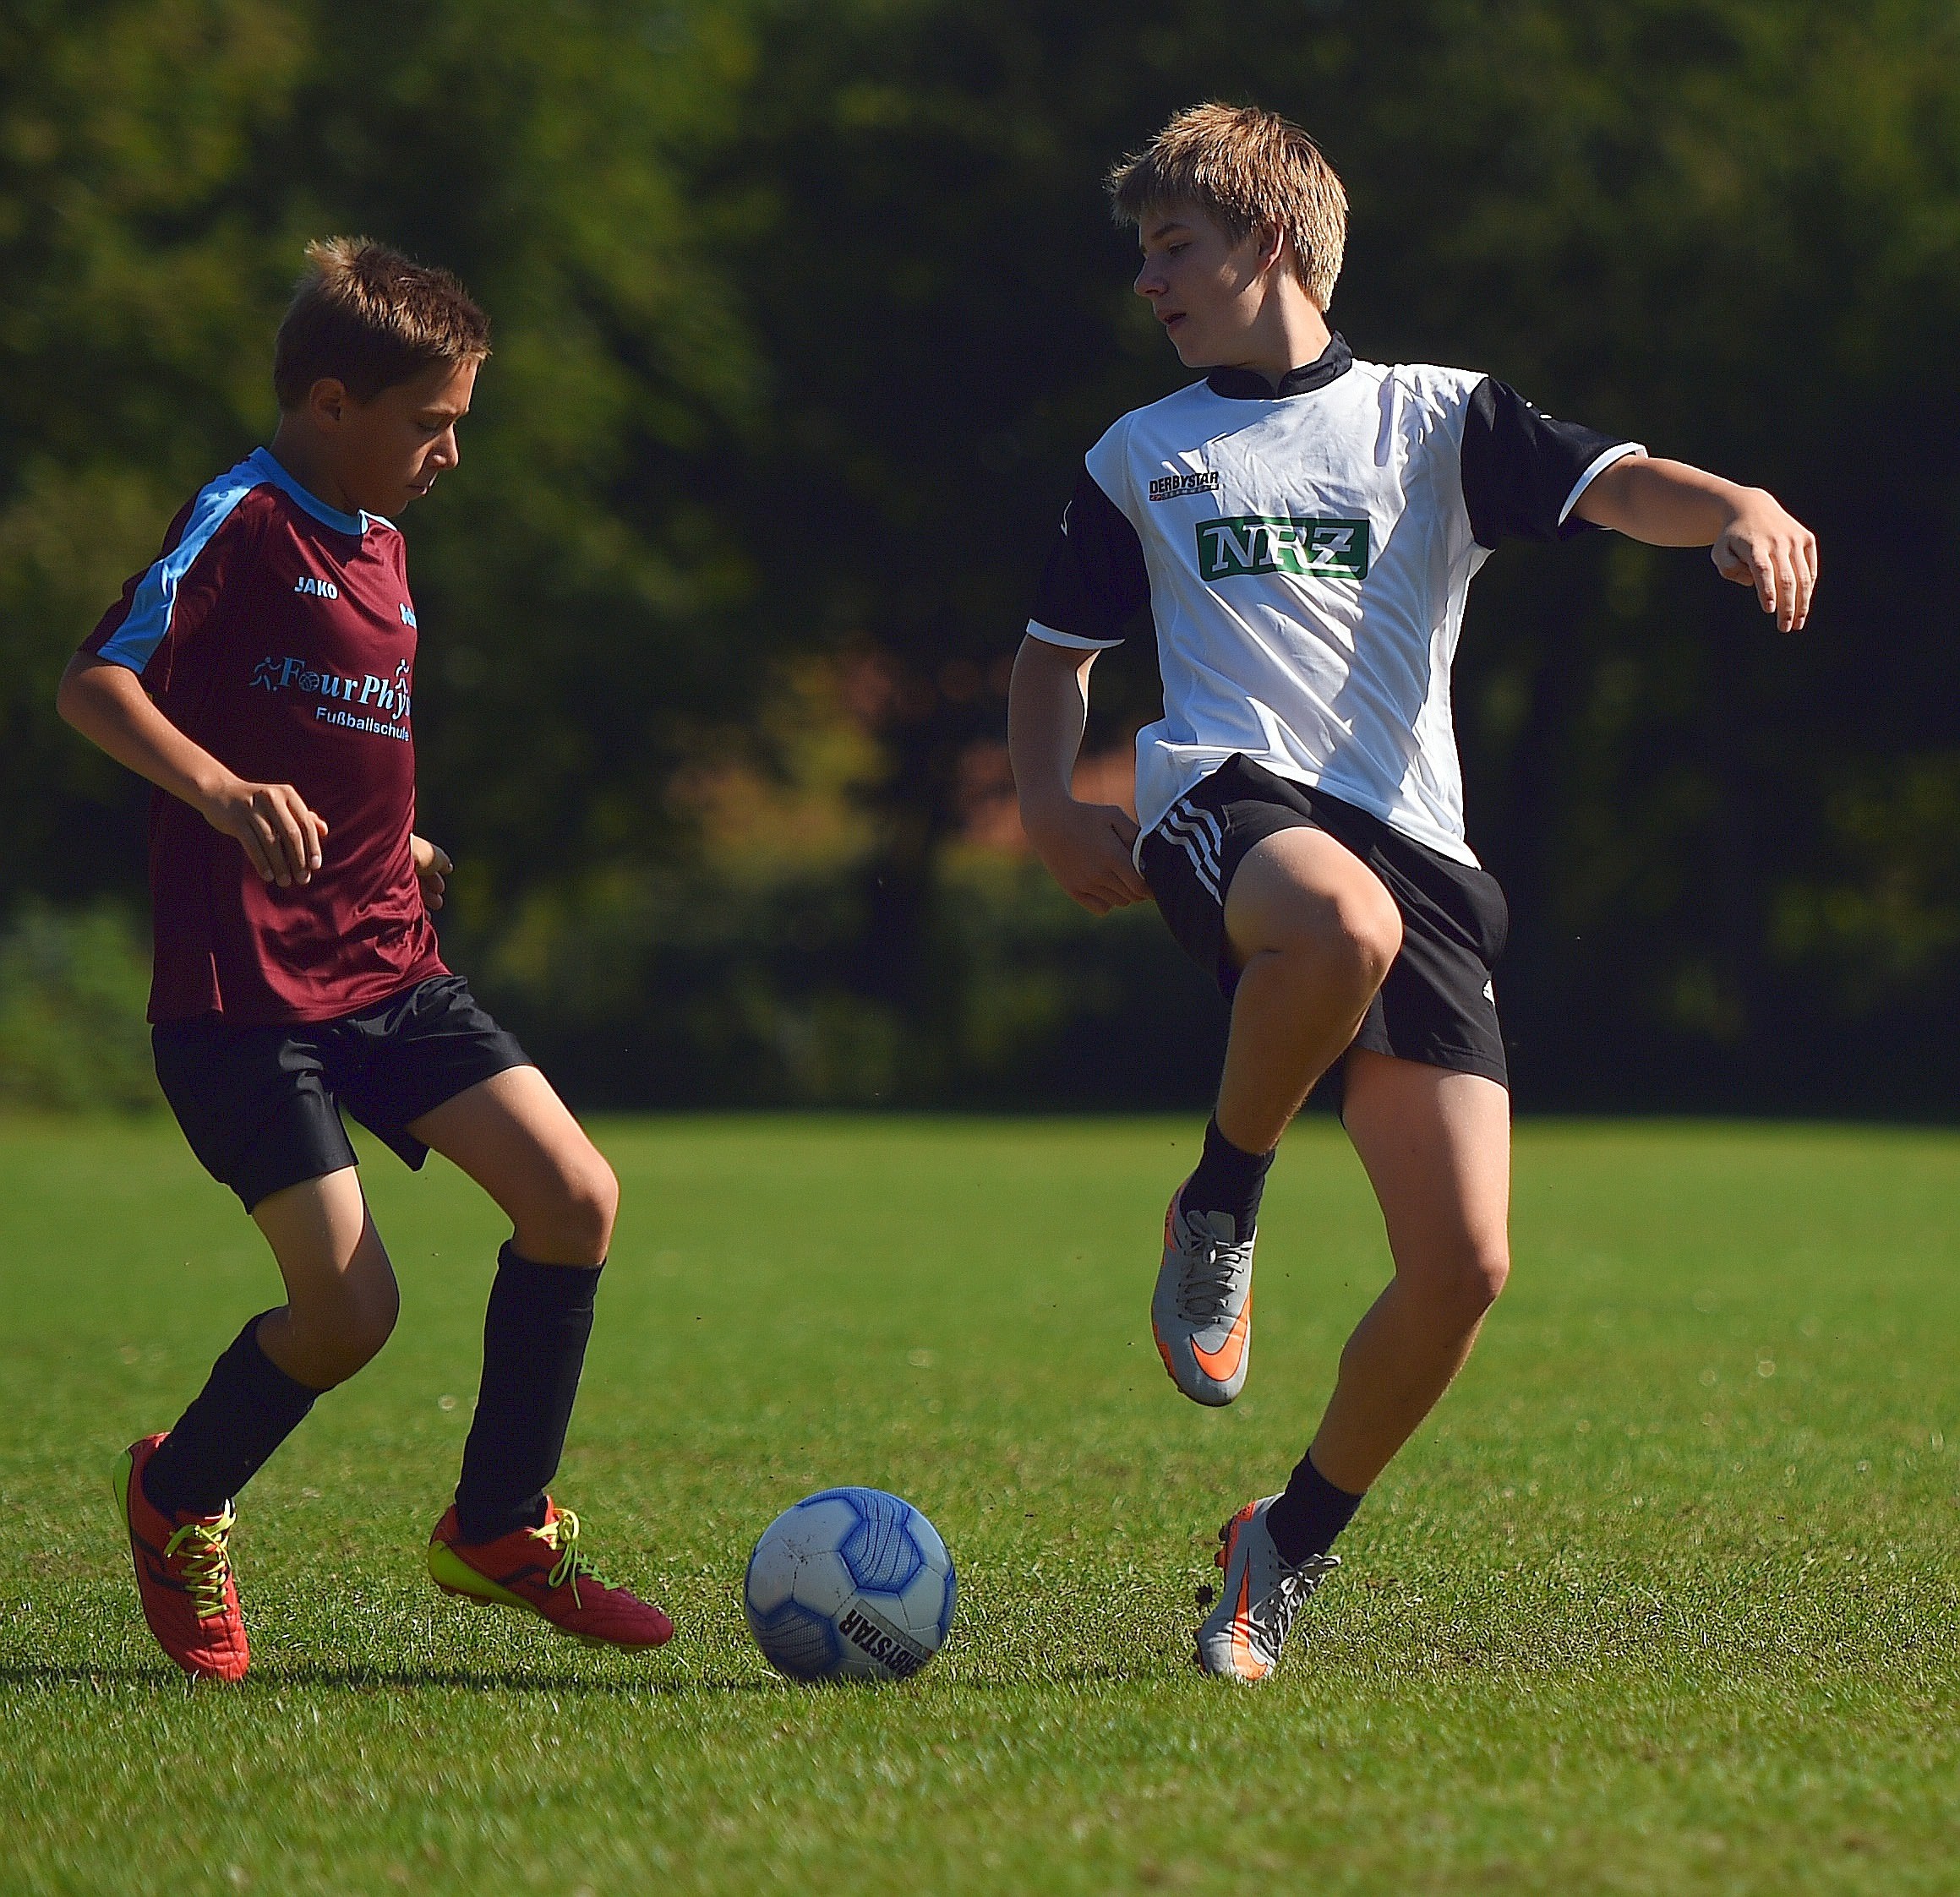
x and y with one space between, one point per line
806 311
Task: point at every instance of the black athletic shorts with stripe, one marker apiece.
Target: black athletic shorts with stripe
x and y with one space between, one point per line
1438 1006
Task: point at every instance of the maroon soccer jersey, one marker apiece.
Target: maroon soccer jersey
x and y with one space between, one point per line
279 634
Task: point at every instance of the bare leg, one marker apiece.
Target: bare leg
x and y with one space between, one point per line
341 1300
1436 1147
518 1140
1313 933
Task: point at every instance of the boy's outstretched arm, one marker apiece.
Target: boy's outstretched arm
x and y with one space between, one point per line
1749 537
107 703
1086 847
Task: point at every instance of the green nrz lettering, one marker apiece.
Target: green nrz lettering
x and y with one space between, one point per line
1260 543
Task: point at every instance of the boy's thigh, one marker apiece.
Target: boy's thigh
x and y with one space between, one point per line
393 1064
1300 888
1191 859
513 1122
518 1140
321 1233
255 1104
1436 1144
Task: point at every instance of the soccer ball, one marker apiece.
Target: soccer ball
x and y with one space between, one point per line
849 1584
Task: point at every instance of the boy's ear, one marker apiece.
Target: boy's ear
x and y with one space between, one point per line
327 403
1271 241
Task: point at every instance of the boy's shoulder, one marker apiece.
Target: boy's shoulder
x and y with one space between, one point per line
1205 404
234 513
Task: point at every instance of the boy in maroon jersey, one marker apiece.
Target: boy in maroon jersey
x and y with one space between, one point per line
260 675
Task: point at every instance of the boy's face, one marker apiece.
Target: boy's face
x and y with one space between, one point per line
1205 288
387 451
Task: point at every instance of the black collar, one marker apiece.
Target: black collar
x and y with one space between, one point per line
1249 385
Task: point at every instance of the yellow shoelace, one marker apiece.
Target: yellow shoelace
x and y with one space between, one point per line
563 1535
207 1563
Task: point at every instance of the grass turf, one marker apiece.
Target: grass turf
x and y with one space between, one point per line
1661 1598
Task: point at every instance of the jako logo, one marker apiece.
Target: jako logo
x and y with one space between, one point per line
885 1644
387 696
320 589
1259 544
408 614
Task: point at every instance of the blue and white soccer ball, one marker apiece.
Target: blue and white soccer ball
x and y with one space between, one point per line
849 1584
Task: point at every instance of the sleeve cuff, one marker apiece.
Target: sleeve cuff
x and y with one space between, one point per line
1074 642
1601 463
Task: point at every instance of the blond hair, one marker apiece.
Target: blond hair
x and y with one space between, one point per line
370 318
1243 167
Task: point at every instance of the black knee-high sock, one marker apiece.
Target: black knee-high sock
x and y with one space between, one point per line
1228 1179
534 1340
248 1407
1305 1520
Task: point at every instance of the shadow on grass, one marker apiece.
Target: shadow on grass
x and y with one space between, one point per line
275 1677
295 1676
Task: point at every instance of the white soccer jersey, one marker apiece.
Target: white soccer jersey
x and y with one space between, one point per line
1306 555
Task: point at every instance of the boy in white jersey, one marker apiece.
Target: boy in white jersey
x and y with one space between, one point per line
1303 528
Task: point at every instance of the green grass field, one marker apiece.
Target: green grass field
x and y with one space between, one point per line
1663 1599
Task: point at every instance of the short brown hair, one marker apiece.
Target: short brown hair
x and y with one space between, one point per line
1243 167
372 318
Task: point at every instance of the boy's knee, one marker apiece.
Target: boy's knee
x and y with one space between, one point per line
1474 1280
1351 939
331 1342
1370 930
586 1202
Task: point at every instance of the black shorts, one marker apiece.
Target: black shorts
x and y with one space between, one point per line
260 1106
1437 1005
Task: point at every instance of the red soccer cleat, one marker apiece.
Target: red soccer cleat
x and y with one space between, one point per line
183 1576
541 1571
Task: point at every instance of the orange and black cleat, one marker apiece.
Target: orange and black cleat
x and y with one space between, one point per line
183 1576
542 1571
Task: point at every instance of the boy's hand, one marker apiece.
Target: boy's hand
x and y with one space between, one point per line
280 835
432 865
1765 546
1087 848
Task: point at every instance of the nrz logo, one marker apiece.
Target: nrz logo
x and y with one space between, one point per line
345 701
320 589
1170 487
1260 543
885 1644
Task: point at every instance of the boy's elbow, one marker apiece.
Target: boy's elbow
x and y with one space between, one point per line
67 693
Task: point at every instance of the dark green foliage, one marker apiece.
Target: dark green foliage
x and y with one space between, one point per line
806 312
72 984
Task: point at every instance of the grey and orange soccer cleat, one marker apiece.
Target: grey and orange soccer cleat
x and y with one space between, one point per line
1202 1313
1241 1638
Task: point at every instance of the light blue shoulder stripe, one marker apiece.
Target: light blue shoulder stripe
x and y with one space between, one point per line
148 623
271 469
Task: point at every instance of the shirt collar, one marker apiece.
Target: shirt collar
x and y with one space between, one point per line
267 466
1249 385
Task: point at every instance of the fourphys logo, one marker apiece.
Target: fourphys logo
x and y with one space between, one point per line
1262 544
369 703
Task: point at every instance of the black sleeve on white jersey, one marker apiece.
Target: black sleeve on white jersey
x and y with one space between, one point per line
1094 581
1520 468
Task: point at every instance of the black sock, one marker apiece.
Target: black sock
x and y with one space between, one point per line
248 1407
1305 1520
1228 1180
534 1340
